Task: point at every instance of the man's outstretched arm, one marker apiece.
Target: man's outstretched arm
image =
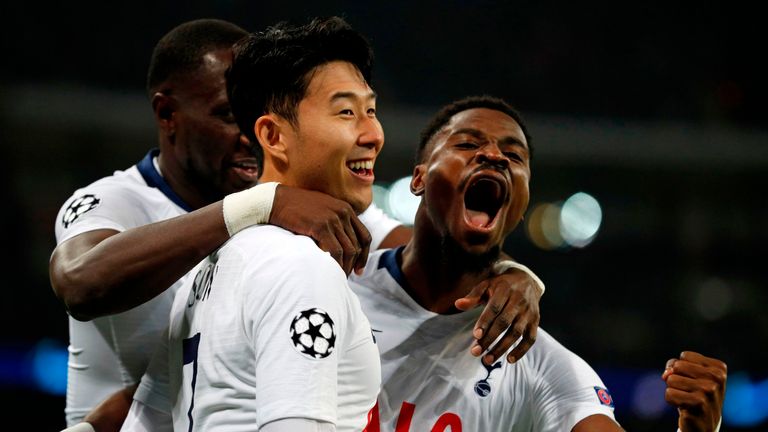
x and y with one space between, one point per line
104 272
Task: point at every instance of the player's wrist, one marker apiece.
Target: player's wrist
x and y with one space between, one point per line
503 266
249 207
717 428
80 427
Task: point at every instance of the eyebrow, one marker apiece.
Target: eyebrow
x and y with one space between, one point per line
352 95
508 140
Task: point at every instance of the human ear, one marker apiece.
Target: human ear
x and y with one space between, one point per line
164 107
417 181
269 131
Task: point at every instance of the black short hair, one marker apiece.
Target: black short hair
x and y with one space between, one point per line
271 70
444 116
181 50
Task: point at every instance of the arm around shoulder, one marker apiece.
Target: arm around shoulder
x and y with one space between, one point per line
103 272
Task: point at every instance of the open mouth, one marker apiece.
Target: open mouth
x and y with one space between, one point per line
483 200
247 169
363 167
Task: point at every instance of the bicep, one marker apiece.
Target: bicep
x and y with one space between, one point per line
80 244
68 254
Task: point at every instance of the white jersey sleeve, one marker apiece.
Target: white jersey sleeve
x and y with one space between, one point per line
110 353
142 418
118 202
266 330
378 223
154 389
566 388
293 379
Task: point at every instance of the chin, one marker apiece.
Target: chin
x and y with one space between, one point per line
360 204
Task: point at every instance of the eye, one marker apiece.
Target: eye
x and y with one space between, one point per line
513 156
467 145
225 114
347 112
371 111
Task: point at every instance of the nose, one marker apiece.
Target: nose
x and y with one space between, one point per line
490 153
371 133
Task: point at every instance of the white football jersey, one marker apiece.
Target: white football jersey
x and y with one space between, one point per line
267 329
109 353
430 381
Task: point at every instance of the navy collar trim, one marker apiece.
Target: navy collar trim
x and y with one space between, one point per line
153 178
389 260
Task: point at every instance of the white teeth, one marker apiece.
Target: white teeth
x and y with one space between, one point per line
356 165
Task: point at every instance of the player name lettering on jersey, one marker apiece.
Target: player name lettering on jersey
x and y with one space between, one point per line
447 421
201 288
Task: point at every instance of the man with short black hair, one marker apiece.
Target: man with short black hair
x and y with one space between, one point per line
268 336
126 241
472 173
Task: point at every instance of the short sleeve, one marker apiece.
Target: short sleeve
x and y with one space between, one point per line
100 206
297 325
154 388
567 390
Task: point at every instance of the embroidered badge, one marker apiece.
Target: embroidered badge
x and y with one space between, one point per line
78 207
313 333
604 396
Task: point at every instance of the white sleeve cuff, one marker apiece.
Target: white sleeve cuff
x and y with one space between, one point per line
502 266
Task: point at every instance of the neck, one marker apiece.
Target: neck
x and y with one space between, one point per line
192 192
439 271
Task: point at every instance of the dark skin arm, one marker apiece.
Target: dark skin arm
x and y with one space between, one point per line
597 423
512 308
104 272
696 386
111 413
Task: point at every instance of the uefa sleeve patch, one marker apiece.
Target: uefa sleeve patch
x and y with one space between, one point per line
604 396
78 207
313 333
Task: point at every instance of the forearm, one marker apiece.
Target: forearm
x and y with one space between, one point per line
110 414
126 269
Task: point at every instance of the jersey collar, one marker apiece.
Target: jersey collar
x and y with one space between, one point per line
390 260
155 180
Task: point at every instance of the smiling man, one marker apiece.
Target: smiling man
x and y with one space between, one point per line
269 336
472 172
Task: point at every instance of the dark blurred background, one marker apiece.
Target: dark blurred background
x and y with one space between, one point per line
650 117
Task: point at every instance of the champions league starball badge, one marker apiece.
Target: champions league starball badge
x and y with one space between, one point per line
313 333
483 387
79 206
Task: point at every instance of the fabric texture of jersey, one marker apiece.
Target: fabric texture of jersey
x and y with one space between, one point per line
240 344
378 223
109 353
431 381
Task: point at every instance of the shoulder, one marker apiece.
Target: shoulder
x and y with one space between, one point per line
272 253
552 361
121 184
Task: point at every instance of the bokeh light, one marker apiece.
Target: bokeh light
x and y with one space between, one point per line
402 203
580 218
